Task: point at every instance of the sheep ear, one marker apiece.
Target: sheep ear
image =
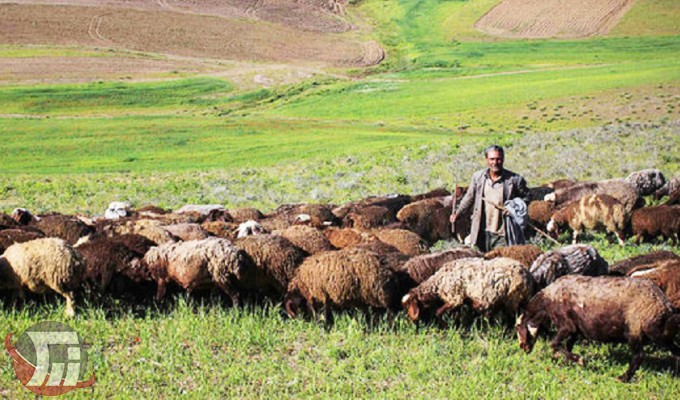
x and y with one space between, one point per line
533 330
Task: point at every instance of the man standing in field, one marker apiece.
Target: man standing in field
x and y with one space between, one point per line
489 189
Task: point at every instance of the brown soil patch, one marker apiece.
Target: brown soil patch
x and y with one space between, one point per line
533 19
180 34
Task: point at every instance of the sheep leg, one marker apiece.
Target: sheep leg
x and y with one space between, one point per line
70 310
619 236
162 287
638 353
556 344
327 315
575 239
231 292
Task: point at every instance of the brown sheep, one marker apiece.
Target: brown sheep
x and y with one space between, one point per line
41 264
221 229
439 192
187 231
245 214
574 259
650 222
343 237
540 212
641 262
595 211
420 268
489 286
671 186
309 239
103 258
275 260
429 218
405 241
561 184
10 236
620 189
666 275
392 202
526 254
342 279
316 215
604 309
368 217
61 226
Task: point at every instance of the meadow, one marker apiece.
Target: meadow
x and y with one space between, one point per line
593 108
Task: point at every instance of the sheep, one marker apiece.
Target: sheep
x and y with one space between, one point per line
202 209
275 259
342 279
10 236
671 186
153 230
643 261
620 189
368 217
650 222
7 221
393 202
343 237
574 259
501 284
54 225
41 264
246 214
197 264
439 192
248 228
594 211
23 217
221 229
604 309
405 241
117 210
540 212
309 239
103 258
673 199
187 231
561 184
152 209
316 215
429 218
526 254
420 268
666 275
647 181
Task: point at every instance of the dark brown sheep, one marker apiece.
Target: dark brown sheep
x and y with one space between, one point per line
61 226
642 261
407 242
420 268
671 186
574 259
526 254
666 275
439 192
368 217
603 309
392 202
103 258
10 236
343 237
309 239
429 218
650 222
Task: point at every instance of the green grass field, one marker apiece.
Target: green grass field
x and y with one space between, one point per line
584 109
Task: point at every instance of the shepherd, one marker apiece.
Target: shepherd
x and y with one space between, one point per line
498 197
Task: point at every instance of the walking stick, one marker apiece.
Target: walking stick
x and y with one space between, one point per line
502 208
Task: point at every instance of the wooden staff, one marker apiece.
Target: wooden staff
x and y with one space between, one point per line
502 208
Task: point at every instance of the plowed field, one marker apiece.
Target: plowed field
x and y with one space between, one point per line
533 19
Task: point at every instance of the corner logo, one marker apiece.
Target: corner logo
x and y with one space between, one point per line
49 359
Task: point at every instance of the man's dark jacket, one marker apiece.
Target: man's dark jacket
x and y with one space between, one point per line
513 186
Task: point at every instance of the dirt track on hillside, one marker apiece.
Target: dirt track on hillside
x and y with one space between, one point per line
534 19
180 34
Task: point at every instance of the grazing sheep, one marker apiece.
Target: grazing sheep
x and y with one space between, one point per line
186 231
249 228
198 264
221 229
151 229
103 258
246 214
117 210
369 217
592 212
673 199
341 238
604 309
526 254
316 215
574 259
647 223
61 226
393 202
8 221
620 189
540 212
539 193
41 264
671 186
152 209
10 236
275 259
641 262
23 217
666 275
561 184
489 286
647 181
420 268
309 239
439 192
405 241
429 218
342 279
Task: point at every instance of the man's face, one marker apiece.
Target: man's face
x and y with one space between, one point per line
494 160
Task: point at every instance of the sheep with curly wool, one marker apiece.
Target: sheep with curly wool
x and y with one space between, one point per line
42 264
593 212
580 259
648 223
540 212
604 309
308 238
407 242
526 254
429 218
187 231
198 264
489 286
421 267
369 217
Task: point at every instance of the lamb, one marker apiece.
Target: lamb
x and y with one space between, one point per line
342 279
604 309
526 254
620 189
574 259
643 261
489 286
41 264
275 260
647 181
406 242
197 264
650 222
420 268
666 275
595 211
10 236
309 239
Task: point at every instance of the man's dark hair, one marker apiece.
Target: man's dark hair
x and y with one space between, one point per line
494 147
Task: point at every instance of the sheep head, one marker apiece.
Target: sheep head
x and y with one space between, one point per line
526 333
412 306
22 216
292 302
248 228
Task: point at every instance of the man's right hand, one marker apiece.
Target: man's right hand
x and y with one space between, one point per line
452 218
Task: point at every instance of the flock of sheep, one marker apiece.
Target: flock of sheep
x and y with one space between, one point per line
374 254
